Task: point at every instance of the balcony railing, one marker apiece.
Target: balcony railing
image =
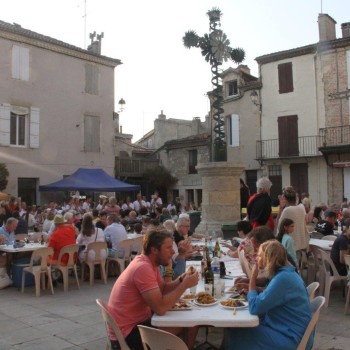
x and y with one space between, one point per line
335 136
307 147
133 167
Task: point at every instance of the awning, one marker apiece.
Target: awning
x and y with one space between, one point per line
345 164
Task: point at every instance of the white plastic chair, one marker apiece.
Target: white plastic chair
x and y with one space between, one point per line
156 339
245 264
311 289
313 264
316 305
329 237
315 234
71 251
100 252
330 274
39 266
109 321
124 247
136 247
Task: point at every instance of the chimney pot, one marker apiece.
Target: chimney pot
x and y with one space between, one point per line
326 27
345 28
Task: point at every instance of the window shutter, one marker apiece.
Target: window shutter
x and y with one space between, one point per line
234 130
20 63
24 65
285 77
5 114
34 127
16 62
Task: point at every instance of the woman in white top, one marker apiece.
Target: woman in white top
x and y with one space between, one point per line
89 234
297 214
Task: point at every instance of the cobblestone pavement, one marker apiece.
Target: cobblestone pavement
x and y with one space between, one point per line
73 321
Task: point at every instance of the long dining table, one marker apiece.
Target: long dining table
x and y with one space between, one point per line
214 315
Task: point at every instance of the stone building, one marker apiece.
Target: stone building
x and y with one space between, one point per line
304 100
334 62
56 109
242 118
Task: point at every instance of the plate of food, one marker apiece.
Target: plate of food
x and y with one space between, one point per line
189 296
233 304
205 299
181 305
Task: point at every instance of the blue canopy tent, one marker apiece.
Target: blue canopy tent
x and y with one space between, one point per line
96 180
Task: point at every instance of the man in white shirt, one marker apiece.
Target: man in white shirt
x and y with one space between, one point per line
114 233
139 203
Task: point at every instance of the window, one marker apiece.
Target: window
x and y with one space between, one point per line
27 187
17 129
149 144
285 77
19 126
91 79
91 133
192 161
20 63
233 130
232 88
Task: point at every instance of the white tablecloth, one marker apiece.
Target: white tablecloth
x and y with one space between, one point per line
214 315
29 247
322 243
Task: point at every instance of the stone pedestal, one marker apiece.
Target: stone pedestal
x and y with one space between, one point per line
220 195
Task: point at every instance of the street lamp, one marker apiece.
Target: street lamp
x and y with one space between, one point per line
121 104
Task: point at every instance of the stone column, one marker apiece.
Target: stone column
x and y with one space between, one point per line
220 195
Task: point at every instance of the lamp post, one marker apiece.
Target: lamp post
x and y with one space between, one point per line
215 49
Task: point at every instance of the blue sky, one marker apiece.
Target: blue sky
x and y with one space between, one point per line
158 72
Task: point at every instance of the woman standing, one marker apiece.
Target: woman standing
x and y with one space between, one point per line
297 214
259 211
283 306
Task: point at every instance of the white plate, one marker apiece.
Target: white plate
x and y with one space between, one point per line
177 308
199 304
189 296
235 307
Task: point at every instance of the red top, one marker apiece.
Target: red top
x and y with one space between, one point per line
62 236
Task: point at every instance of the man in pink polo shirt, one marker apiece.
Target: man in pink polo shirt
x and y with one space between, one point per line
140 290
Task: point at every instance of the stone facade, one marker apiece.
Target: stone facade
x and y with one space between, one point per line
51 92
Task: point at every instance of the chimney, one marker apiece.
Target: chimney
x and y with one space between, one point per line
161 116
326 27
345 29
95 45
196 123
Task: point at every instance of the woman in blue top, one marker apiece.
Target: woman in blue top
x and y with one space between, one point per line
283 307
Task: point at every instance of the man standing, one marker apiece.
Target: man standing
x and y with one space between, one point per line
139 203
114 233
140 290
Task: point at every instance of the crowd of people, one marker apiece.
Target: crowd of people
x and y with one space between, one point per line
156 279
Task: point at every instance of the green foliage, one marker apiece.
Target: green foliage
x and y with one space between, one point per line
237 55
4 174
159 177
190 39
